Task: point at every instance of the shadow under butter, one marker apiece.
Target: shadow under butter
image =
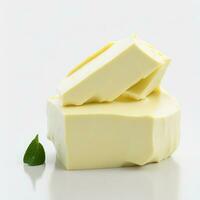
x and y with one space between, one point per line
153 181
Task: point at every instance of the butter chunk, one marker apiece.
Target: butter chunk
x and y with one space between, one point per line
121 133
147 85
111 71
144 87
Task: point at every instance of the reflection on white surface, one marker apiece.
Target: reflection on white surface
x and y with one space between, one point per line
154 181
34 173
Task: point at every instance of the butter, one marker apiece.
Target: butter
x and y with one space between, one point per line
144 87
130 66
121 133
129 121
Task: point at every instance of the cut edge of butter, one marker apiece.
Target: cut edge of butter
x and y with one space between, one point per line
73 88
146 86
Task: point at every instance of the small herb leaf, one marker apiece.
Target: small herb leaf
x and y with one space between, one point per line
35 154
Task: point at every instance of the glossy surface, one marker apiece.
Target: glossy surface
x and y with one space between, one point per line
116 134
39 40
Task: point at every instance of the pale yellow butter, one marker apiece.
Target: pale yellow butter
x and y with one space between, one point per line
121 133
144 87
111 71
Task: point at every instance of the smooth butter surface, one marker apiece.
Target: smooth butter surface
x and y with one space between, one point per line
114 134
112 70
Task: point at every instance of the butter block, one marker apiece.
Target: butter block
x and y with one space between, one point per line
144 87
121 133
147 85
111 71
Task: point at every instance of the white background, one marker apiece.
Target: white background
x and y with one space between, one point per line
40 40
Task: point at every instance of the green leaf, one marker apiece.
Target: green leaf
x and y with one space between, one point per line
35 154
